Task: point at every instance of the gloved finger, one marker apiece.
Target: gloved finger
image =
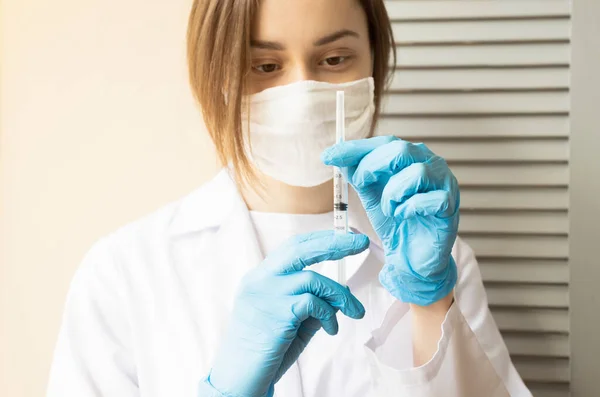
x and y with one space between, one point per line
307 330
438 203
348 154
387 160
414 179
308 249
308 305
336 295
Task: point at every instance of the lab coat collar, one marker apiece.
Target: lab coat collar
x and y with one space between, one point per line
207 206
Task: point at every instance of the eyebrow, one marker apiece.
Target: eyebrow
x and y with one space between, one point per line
267 45
340 34
330 38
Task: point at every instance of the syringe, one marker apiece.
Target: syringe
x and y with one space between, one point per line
340 185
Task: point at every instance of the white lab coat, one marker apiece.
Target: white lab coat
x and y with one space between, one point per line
149 304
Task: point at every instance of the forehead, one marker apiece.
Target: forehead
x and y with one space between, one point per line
306 20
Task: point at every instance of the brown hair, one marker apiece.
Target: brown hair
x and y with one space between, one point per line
219 34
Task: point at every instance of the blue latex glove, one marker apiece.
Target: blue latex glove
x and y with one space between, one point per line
278 309
411 198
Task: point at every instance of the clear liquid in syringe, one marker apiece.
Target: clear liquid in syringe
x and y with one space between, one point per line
340 201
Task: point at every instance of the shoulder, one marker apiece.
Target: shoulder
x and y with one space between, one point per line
147 238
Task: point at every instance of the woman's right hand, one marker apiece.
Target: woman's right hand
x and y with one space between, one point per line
278 309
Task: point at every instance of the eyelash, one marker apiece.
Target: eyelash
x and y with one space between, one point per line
342 60
266 64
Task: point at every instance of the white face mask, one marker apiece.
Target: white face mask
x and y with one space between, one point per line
291 125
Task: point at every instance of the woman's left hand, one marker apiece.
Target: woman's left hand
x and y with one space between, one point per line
412 199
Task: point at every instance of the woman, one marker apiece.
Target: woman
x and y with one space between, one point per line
225 292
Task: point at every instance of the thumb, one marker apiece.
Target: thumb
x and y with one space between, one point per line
350 153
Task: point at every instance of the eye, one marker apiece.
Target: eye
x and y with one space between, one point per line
267 68
334 61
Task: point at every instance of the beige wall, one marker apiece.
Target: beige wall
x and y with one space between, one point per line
98 127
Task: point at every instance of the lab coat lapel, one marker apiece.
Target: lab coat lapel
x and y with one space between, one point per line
237 245
218 206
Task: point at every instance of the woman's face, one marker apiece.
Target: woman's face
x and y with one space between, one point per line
323 40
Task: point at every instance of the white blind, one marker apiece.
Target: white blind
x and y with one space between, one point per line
485 84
